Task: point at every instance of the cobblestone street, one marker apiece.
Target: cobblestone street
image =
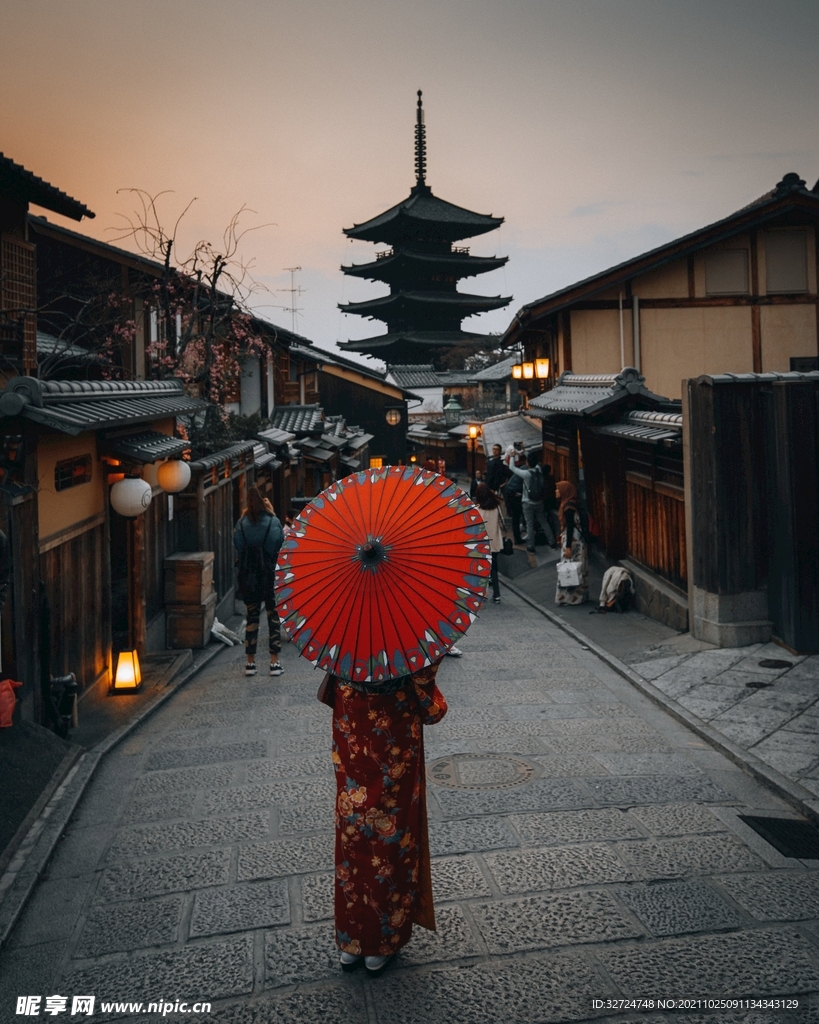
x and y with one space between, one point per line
586 846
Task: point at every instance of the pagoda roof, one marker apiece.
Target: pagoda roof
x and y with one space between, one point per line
381 344
423 215
395 265
458 303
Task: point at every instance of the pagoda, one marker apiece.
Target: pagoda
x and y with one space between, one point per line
423 309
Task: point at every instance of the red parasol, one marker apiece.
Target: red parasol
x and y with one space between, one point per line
382 572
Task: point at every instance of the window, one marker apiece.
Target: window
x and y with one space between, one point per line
293 371
72 472
726 272
786 261
377 462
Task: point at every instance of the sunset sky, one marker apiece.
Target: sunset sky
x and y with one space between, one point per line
597 128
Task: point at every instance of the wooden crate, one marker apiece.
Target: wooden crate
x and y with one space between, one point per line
188 577
188 625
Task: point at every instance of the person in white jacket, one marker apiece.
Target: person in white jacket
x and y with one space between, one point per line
488 505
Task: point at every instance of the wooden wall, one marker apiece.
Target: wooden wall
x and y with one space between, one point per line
656 532
159 541
636 501
78 590
605 475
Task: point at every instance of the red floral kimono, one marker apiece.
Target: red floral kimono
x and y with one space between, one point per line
382 848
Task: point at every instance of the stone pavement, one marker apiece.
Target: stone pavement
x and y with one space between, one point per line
761 699
585 846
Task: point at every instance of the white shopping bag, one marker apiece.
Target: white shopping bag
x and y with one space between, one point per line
568 574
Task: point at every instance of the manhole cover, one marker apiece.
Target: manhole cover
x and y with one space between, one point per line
775 663
484 771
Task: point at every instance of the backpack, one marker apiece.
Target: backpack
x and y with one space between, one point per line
256 569
537 484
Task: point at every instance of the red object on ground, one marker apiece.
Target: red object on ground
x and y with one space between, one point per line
382 573
8 699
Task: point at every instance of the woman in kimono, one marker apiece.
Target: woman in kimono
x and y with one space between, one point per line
383 883
572 545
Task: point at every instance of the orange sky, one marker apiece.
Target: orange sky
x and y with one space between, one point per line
597 128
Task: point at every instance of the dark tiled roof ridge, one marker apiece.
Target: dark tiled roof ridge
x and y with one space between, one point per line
62 390
43 192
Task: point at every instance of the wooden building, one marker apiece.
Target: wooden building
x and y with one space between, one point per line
18 262
361 394
63 442
737 296
623 445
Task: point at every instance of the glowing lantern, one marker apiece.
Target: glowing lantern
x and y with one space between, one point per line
517 371
173 476
528 371
128 677
542 368
130 497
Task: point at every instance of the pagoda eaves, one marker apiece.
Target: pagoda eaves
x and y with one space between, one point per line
424 309
426 218
403 264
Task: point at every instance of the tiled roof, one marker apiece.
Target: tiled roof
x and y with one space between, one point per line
232 454
261 456
23 186
76 406
508 428
653 427
453 378
146 446
497 371
413 339
422 209
273 435
414 375
298 419
587 394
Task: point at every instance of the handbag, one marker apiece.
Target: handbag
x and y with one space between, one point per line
568 574
508 547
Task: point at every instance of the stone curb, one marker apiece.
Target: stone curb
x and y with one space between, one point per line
34 852
805 802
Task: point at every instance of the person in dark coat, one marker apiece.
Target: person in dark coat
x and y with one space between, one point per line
496 472
260 529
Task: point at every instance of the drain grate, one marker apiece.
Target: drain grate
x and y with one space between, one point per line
775 663
480 771
792 837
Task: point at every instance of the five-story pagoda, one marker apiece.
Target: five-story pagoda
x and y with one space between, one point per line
424 309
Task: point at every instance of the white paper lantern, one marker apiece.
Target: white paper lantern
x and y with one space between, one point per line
131 496
173 476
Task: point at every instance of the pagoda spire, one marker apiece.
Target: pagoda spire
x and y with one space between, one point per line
420 144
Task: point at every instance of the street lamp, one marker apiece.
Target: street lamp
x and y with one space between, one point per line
128 675
473 438
542 368
452 412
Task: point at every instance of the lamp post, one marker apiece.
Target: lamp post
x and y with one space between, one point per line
473 440
452 412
